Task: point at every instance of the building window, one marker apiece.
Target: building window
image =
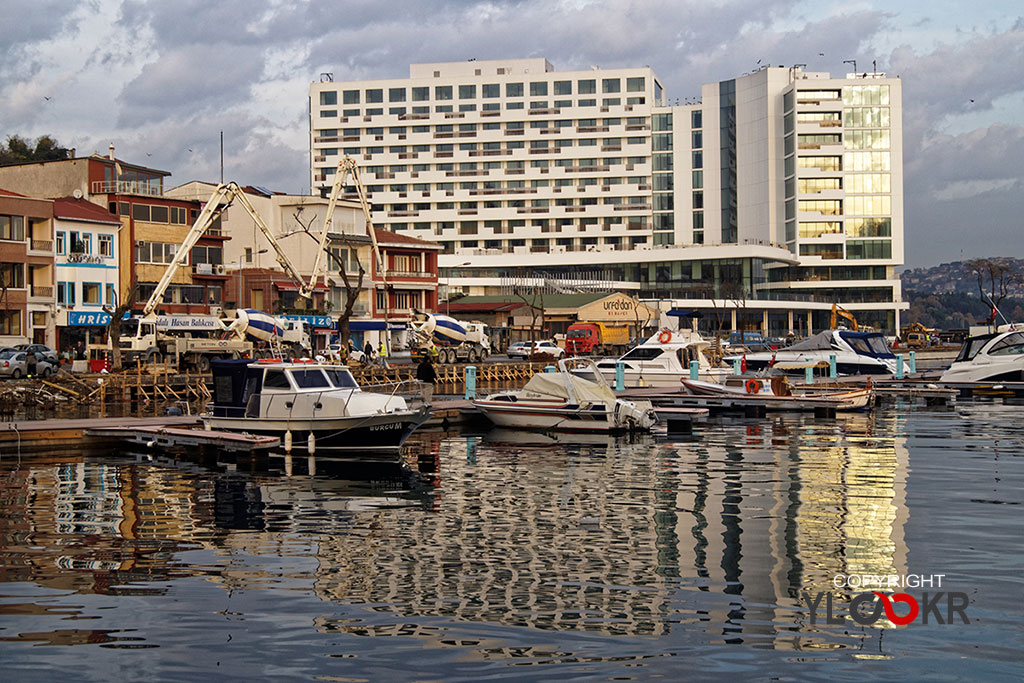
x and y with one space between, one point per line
106 245
396 94
160 252
328 98
611 85
10 322
12 275
489 90
61 242
421 94
12 228
467 92
375 96
539 89
350 97
111 295
442 92
637 84
91 294
513 90
66 293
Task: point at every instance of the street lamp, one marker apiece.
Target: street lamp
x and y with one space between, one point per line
447 287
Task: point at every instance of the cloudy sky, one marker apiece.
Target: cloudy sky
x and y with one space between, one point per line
161 79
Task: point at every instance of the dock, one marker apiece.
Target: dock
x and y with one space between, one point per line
182 437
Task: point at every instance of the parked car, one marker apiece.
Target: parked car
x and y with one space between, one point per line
41 350
13 365
522 350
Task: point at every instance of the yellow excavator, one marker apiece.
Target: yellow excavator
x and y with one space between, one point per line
840 312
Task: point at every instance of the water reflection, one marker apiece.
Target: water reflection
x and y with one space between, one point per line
704 539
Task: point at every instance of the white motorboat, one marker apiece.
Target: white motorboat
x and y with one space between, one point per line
663 360
308 399
857 353
995 357
565 401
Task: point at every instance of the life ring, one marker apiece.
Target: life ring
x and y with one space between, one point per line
665 337
753 386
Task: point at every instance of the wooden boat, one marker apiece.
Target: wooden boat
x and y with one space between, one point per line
774 393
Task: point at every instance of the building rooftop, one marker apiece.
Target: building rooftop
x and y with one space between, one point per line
82 210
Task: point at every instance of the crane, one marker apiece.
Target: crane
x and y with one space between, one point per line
840 312
223 196
348 167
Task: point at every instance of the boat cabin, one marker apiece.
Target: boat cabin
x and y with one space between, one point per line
238 384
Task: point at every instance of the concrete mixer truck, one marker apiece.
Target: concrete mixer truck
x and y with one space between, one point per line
456 341
289 337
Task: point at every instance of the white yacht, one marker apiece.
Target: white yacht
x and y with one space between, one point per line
995 357
303 398
664 360
565 401
857 353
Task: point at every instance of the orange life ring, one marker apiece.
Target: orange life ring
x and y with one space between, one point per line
753 386
665 337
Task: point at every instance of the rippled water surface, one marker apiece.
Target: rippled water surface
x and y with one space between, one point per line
505 556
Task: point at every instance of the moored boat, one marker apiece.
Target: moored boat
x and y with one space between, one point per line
315 406
995 357
663 360
565 401
856 353
775 393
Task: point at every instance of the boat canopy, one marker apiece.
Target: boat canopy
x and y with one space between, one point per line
567 386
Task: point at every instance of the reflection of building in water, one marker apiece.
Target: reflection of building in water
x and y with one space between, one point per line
652 537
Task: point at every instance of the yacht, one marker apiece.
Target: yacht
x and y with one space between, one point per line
663 360
317 406
994 357
565 401
857 353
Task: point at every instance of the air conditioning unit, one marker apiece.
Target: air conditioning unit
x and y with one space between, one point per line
139 243
219 269
558 249
643 247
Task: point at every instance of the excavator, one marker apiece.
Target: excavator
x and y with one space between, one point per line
840 312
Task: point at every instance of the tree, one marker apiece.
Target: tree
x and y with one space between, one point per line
18 150
998 275
351 291
114 326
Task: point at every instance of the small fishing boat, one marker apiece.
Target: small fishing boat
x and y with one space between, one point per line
317 406
775 393
564 401
663 360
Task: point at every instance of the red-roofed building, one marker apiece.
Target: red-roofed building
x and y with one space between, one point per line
411 274
26 270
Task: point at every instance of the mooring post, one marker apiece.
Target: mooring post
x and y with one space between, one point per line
913 361
470 382
832 366
808 375
736 366
694 369
899 366
620 376
549 368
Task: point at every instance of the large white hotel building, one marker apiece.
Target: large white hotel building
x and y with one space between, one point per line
777 195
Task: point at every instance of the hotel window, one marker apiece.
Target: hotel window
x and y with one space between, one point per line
868 249
12 228
350 97
513 90
563 87
489 90
420 95
635 84
828 207
106 245
539 89
611 85
375 96
467 92
825 251
328 98
587 87
819 228
396 94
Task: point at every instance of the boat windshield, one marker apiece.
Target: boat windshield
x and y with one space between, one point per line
341 378
867 344
643 353
1010 345
310 378
972 346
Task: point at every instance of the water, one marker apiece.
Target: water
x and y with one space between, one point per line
504 556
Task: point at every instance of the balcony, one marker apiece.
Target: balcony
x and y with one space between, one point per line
40 245
41 291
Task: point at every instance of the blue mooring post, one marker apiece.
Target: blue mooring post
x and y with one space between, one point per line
899 366
620 376
913 361
832 365
808 375
736 366
470 382
694 369
549 368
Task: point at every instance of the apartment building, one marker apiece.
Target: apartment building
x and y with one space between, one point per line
524 174
26 270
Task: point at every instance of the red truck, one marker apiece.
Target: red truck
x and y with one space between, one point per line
596 339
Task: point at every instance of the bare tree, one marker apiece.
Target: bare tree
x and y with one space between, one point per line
114 326
533 297
999 275
351 291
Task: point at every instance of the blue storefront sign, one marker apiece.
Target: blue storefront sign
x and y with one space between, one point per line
316 322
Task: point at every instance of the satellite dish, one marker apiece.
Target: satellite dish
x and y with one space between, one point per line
77 194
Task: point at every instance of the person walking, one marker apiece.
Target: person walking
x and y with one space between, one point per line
367 352
426 374
383 353
30 364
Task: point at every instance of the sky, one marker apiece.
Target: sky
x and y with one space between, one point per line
161 80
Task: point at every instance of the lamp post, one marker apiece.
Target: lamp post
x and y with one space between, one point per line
240 303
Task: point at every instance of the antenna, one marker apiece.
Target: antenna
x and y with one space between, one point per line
851 61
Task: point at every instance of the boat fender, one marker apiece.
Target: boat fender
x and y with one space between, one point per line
288 441
311 444
753 386
665 337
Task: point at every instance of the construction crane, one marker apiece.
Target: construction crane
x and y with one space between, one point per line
223 196
347 167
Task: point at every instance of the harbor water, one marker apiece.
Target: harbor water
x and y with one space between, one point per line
510 556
